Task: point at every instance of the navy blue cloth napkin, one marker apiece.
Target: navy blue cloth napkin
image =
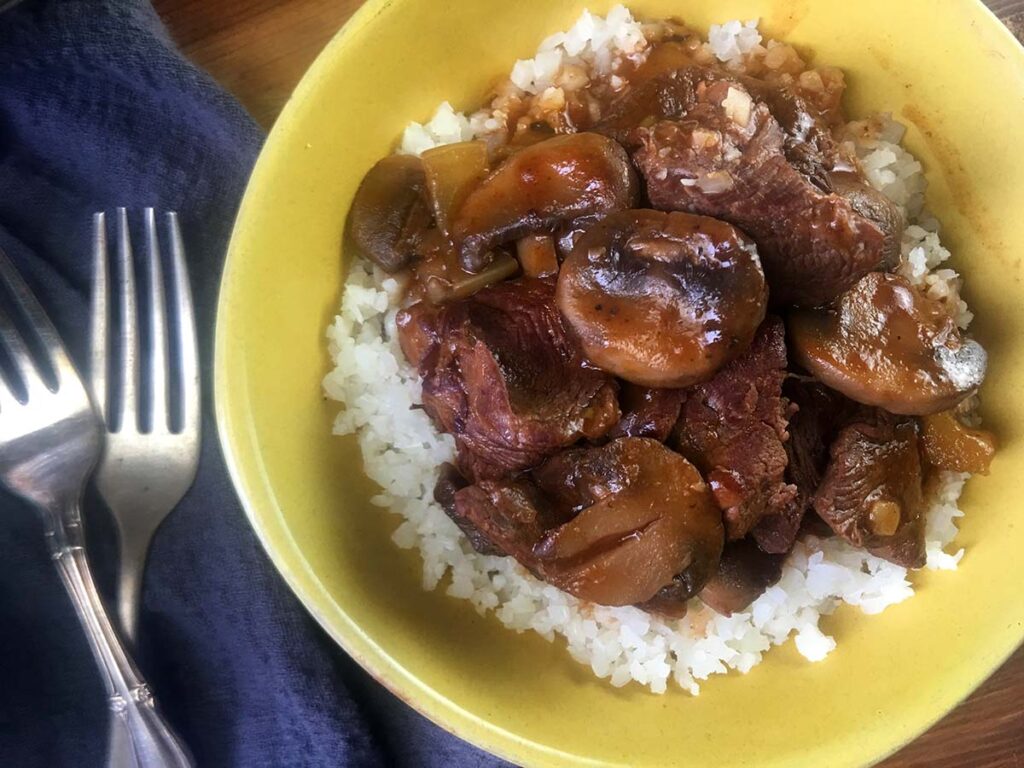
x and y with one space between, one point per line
99 109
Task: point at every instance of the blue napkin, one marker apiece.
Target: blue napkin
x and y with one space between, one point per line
99 109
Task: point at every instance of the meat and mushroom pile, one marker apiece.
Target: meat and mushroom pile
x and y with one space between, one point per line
669 338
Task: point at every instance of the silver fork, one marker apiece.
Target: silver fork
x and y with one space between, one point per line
142 475
50 439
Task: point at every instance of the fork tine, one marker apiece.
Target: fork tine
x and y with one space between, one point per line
62 366
129 368
189 354
158 324
8 401
19 353
100 316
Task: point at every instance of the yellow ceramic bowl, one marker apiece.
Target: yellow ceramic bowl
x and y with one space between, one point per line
947 68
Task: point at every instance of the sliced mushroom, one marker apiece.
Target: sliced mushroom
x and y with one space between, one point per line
662 299
950 444
889 345
554 180
389 196
612 525
743 574
653 519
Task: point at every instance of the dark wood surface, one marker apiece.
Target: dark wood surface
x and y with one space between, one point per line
259 50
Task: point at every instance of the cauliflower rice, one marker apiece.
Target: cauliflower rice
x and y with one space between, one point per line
402 450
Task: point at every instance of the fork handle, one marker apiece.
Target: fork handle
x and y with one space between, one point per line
140 737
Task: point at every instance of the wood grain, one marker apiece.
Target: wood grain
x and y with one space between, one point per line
259 50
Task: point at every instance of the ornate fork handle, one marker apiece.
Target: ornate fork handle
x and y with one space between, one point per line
140 738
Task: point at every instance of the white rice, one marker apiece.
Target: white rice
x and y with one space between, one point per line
402 450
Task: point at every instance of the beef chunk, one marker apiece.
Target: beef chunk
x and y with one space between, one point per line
871 493
507 517
744 573
502 376
733 428
819 414
449 482
706 145
807 141
647 412
777 533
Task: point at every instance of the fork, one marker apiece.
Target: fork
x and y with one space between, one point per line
50 439
145 469
150 456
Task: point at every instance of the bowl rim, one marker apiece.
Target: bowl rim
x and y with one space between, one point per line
437 708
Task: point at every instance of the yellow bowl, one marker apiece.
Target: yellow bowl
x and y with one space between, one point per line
949 69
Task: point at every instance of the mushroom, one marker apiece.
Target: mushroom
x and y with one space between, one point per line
662 299
388 203
561 178
887 344
652 517
743 574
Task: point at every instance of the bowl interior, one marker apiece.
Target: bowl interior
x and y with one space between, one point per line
951 72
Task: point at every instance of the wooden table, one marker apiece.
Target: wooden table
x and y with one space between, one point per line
259 49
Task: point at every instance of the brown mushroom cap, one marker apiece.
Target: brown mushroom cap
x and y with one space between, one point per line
652 518
889 345
387 197
663 299
744 573
563 178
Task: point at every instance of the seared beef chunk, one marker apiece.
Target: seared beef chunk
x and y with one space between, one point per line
553 181
744 573
871 494
807 143
873 205
707 146
820 413
612 524
508 517
502 376
662 299
672 91
777 533
647 412
449 482
889 344
733 428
